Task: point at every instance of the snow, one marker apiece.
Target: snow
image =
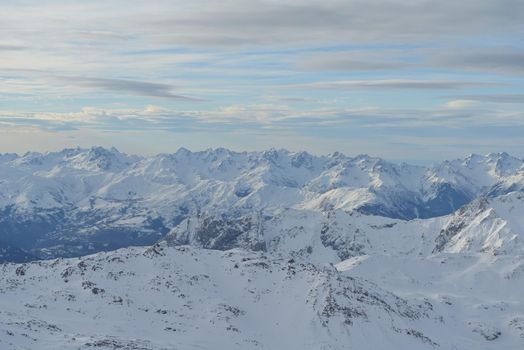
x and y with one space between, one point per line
170 298
260 250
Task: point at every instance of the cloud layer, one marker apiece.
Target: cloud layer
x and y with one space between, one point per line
389 71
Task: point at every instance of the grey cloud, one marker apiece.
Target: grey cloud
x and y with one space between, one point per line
135 87
349 65
136 26
264 22
351 61
496 59
98 35
27 120
394 84
21 70
12 48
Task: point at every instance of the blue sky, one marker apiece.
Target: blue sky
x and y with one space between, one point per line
416 81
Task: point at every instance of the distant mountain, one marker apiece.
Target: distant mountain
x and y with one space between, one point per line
10 253
80 201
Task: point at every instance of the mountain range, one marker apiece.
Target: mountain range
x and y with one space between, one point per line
81 201
259 250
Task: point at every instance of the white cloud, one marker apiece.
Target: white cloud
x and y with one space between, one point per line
262 66
460 104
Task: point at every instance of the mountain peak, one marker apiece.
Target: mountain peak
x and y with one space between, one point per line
183 152
101 158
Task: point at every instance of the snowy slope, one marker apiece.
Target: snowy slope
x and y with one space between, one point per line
493 225
182 298
480 294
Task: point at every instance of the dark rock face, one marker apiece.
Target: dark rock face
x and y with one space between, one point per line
346 246
489 333
220 233
349 300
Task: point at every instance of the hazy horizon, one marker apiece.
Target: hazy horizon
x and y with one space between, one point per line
407 81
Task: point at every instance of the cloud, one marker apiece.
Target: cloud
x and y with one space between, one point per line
377 130
496 59
353 61
265 117
494 98
12 48
394 84
263 66
459 104
135 87
348 65
205 40
264 22
234 23
288 99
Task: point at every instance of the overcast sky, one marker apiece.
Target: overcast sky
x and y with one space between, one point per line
407 80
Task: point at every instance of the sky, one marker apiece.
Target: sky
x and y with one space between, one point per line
407 80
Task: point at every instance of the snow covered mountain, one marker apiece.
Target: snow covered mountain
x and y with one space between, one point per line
494 226
166 297
81 201
182 298
261 250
